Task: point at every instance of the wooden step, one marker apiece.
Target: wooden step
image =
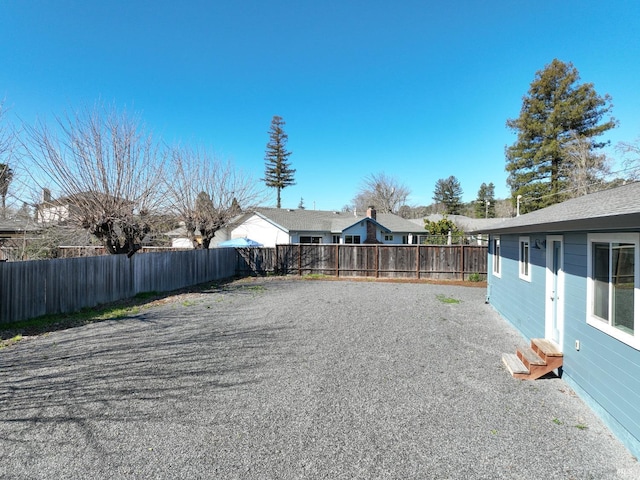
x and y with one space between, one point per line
544 348
530 363
513 364
528 357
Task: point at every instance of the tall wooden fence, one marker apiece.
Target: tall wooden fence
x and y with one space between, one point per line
377 261
34 288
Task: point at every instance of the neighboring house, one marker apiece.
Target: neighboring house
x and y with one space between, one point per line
273 226
180 239
570 273
60 210
13 234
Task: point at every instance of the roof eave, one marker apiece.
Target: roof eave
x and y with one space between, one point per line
614 222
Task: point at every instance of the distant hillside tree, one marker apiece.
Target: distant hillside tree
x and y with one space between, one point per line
278 173
383 192
485 204
556 108
448 192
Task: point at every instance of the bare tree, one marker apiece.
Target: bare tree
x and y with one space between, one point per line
7 142
206 193
630 158
585 171
107 170
382 191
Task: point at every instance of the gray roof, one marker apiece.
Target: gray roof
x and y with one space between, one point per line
614 209
300 220
17 226
464 223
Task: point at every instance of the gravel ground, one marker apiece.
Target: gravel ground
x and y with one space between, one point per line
287 379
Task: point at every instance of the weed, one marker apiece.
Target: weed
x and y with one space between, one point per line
146 295
474 277
188 303
557 421
494 432
581 426
315 276
10 341
445 299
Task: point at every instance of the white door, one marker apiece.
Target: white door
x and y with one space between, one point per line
554 307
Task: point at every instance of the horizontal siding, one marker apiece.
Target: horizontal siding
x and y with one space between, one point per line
607 370
527 312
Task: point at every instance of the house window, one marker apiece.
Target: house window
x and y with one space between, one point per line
388 238
524 259
310 239
613 285
495 249
336 239
352 239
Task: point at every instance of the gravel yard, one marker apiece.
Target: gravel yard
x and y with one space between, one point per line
286 379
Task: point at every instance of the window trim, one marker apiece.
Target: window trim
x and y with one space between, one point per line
631 339
496 259
313 239
352 238
524 264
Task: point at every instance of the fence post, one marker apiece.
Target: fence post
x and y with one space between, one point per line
337 260
462 262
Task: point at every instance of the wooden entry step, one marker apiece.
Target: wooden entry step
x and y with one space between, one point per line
530 363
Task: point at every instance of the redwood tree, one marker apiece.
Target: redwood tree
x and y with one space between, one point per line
278 173
556 110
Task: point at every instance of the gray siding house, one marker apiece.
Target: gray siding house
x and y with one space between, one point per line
273 226
570 274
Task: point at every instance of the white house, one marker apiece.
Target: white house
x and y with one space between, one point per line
272 226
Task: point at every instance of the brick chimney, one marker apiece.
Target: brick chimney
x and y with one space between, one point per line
371 227
371 212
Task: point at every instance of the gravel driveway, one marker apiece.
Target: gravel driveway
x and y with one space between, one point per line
286 379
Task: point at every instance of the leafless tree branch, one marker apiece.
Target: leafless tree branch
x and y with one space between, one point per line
206 193
383 192
107 170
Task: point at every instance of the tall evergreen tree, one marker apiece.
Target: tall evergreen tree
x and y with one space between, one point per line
556 109
448 192
278 173
486 195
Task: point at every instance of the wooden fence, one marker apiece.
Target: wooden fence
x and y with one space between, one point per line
40 287
377 261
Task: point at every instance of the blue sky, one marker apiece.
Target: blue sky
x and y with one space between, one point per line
419 90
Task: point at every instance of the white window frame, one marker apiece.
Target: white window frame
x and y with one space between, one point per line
388 238
496 259
604 325
524 264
